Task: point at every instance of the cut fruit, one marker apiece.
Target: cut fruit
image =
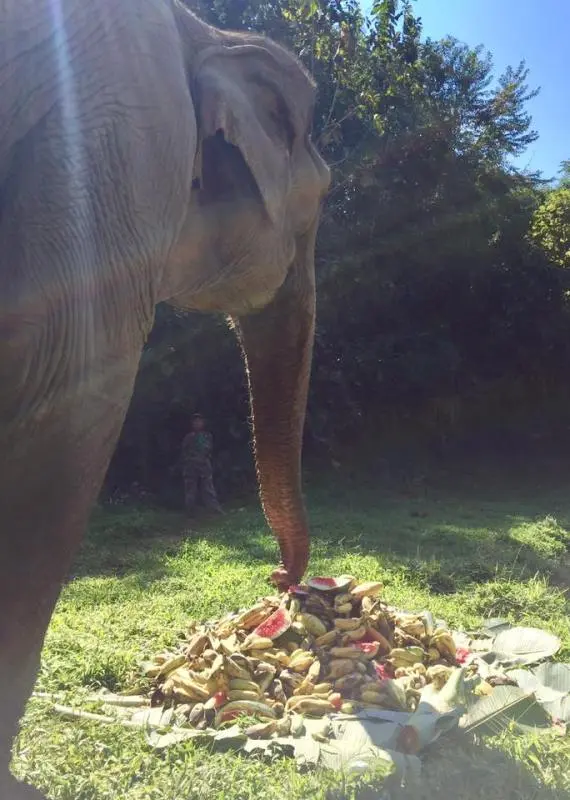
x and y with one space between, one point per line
368 589
275 625
384 671
331 584
369 649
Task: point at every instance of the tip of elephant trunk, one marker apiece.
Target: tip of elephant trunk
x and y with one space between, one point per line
283 578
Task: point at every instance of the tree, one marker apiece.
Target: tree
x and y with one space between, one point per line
430 293
550 227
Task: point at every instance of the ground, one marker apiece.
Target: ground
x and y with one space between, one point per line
466 549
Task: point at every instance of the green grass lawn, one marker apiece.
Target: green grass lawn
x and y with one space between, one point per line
476 550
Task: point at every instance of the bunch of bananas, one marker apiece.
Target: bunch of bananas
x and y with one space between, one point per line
330 645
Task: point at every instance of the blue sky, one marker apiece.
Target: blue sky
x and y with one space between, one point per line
537 31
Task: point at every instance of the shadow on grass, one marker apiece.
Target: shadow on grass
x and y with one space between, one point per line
443 534
457 768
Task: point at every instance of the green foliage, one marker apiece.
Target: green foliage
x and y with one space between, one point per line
550 226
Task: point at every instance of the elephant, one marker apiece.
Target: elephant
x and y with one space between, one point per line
145 156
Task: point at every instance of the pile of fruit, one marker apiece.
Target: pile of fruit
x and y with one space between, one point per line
329 645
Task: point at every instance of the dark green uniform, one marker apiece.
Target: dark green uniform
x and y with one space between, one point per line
197 471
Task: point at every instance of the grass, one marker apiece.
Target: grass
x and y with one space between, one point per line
474 550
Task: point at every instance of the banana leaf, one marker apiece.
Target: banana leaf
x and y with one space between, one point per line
506 706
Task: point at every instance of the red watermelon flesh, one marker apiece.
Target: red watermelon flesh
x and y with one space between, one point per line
275 625
330 584
369 648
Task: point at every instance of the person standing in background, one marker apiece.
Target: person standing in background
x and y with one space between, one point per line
197 447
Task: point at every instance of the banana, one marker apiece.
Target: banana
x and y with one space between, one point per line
310 705
235 670
169 666
348 682
216 667
294 607
433 655
187 689
356 635
250 707
345 608
241 685
444 643
343 599
229 645
258 655
327 638
314 671
255 642
282 658
438 675
345 652
265 677
368 589
313 625
237 694
307 685
368 604
372 698
340 667
197 644
277 691
196 714
290 679
406 656
412 625
253 617
304 688
322 688
279 659
263 730
403 672
350 624
301 663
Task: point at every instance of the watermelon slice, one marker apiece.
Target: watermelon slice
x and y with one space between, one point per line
384 671
275 625
369 649
331 584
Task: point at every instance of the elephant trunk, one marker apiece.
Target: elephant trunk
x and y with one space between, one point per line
277 343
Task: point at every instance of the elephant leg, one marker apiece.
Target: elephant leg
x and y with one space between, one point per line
14 790
53 458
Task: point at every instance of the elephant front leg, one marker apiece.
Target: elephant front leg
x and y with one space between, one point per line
52 463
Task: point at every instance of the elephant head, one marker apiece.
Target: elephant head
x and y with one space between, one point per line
144 156
247 249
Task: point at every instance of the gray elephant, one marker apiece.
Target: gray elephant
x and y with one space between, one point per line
144 156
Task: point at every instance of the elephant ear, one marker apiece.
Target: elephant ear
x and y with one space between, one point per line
240 107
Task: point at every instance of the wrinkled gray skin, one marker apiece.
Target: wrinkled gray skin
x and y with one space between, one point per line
110 109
